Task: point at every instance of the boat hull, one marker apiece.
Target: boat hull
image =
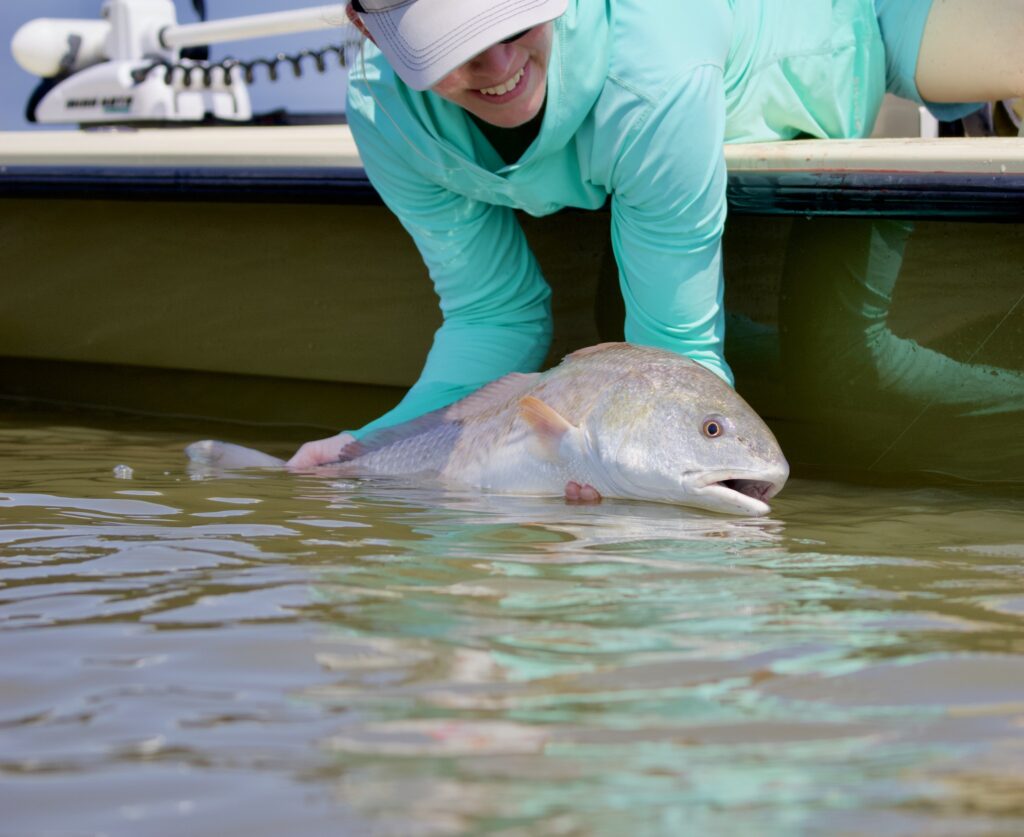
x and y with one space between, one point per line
865 331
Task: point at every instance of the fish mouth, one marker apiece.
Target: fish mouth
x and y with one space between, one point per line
742 492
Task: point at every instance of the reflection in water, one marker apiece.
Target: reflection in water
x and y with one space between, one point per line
838 288
898 347
284 653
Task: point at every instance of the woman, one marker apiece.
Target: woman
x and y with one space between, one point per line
468 109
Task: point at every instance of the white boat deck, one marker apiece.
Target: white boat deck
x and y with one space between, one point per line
332 145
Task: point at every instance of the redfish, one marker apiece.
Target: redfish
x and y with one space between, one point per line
632 422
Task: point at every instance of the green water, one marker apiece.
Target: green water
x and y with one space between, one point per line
273 654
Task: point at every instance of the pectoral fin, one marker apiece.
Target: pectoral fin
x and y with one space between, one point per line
548 425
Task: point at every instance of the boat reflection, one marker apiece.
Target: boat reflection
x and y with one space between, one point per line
896 346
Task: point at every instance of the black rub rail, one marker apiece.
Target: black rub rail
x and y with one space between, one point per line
960 196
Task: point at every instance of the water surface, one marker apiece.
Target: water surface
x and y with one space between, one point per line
274 654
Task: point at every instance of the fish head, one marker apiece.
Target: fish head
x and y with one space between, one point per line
677 433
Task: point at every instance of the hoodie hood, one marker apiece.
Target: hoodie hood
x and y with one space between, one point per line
446 136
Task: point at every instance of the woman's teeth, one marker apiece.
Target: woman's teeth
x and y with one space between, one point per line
504 87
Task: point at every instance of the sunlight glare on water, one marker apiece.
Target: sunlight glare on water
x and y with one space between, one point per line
267 653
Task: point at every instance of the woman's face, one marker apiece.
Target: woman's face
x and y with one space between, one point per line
506 83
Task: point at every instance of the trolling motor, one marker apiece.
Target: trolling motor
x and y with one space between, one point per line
129 67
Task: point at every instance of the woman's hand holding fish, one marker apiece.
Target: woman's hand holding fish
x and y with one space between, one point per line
320 451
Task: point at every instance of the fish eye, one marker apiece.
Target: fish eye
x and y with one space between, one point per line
713 427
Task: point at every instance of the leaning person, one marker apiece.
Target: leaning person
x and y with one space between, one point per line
467 110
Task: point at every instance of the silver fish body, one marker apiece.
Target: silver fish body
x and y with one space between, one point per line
631 421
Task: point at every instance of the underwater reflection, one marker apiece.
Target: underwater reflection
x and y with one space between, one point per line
839 283
948 393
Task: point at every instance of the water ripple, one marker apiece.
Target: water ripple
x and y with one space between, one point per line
286 652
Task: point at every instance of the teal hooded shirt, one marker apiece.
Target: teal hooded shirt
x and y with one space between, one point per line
641 96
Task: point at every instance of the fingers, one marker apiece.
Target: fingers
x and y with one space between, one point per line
320 451
576 493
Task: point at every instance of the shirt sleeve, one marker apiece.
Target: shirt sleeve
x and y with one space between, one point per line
668 213
494 300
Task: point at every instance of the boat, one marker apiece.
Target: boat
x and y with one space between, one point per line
251 274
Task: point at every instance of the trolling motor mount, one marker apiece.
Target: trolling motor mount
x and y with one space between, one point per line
103 71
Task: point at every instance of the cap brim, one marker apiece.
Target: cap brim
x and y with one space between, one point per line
425 40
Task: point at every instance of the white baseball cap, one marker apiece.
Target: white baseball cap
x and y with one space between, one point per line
424 40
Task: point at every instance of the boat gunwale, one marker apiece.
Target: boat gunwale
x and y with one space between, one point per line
977 178
333 145
768 191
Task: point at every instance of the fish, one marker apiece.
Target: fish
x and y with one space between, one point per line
633 422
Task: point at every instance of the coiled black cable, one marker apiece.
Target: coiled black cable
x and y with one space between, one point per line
207 69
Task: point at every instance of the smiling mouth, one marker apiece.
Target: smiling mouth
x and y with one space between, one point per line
506 86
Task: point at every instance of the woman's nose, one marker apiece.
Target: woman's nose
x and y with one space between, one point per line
498 60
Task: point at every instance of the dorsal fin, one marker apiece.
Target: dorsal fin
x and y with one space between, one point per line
494 395
590 350
377 439
498 393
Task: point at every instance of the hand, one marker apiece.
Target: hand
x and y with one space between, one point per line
320 452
